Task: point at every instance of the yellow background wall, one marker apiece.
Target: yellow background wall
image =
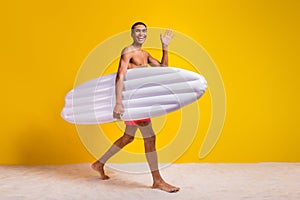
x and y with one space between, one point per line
255 45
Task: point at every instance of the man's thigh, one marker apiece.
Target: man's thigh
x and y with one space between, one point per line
130 130
147 131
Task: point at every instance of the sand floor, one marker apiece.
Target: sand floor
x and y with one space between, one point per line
259 181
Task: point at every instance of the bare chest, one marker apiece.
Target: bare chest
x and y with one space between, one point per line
138 59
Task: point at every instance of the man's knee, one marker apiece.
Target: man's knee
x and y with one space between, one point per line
127 138
150 139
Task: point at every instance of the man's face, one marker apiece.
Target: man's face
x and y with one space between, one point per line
139 34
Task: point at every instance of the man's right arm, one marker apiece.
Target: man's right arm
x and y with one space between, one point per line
123 65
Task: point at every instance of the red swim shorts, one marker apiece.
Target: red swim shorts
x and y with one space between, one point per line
133 123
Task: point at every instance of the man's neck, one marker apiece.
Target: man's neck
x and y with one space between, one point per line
137 46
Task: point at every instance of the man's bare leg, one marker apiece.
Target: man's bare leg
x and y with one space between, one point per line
151 155
116 147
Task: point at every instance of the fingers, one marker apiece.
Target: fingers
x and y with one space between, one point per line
117 115
169 33
118 111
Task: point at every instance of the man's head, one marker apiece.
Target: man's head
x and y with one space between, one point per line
139 32
136 24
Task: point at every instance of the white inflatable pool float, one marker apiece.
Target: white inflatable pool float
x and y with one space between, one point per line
147 92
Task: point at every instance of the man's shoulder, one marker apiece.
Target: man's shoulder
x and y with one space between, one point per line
131 49
127 50
146 52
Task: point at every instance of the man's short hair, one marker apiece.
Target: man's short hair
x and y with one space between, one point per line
136 24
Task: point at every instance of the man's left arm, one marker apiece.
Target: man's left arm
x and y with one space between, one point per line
165 41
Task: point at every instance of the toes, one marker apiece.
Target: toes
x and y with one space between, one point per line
174 190
166 188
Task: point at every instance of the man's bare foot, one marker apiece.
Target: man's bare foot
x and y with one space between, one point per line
98 166
162 185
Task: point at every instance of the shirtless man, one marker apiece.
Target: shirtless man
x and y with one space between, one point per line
133 57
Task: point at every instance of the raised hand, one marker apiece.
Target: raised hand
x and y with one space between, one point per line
166 38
